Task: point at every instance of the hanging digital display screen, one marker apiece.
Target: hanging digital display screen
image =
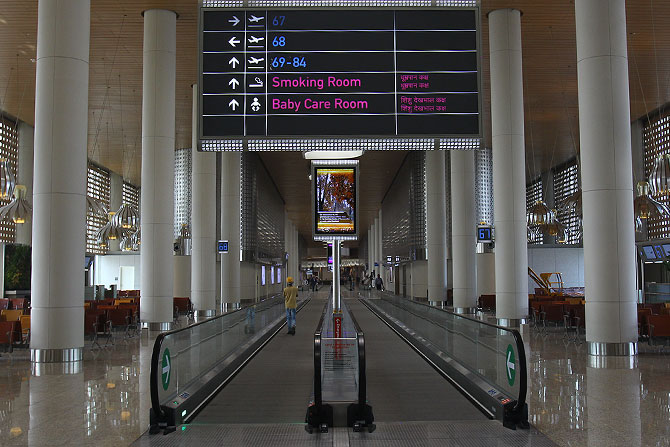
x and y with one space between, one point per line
335 204
339 72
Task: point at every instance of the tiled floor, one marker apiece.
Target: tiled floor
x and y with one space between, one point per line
107 402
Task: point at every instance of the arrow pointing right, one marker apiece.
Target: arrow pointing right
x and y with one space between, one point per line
234 21
233 104
233 83
166 368
233 61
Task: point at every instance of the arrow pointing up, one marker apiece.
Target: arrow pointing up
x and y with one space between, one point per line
233 83
233 41
233 104
233 61
234 21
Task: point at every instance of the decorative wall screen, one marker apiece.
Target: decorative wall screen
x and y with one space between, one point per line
656 143
182 189
262 217
484 185
98 186
9 150
404 211
566 183
131 195
533 194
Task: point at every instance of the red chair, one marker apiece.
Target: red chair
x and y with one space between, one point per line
658 327
4 303
10 333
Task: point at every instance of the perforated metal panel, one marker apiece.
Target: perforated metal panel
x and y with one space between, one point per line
131 195
9 150
656 143
336 3
533 194
262 219
98 186
484 185
566 183
404 211
182 189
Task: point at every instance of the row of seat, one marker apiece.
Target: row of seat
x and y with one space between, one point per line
14 303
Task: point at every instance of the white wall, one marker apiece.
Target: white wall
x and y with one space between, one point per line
486 274
419 279
107 268
181 285
566 260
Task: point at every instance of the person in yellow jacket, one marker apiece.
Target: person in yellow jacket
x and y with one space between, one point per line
290 295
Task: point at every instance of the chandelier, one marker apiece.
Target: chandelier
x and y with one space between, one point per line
646 206
7 179
659 179
19 209
131 242
110 231
95 206
127 217
540 214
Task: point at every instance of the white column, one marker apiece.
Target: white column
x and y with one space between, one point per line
607 185
203 223
24 233
115 202
380 247
291 249
287 246
230 229
296 250
375 244
59 197
158 144
370 250
463 231
509 166
436 224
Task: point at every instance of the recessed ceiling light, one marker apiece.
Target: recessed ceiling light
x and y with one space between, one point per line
331 155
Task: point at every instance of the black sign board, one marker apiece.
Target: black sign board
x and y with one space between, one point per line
339 72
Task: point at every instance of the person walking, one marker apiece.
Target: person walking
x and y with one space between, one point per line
290 295
379 283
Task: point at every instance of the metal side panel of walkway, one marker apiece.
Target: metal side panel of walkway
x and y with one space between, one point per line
402 386
274 387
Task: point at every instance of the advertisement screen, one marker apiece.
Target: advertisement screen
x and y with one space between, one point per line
335 201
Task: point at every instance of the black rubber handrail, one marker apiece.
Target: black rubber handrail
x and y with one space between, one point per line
523 377
155 354
362 379
318 392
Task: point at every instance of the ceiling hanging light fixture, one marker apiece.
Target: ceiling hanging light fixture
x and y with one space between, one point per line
127 217
110 231
96 206
7 179
19 209
646 206
540 214
659 179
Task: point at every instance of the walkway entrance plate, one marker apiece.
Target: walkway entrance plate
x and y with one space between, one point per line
510 365
166 366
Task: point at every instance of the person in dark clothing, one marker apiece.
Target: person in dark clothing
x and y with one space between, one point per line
379 283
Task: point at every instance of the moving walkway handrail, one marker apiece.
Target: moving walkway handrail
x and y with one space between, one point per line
362 380
155 355
523 377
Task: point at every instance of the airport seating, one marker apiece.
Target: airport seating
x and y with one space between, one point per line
487 302
12 314
552 313
658 327
119 318
19 303
25 329
182 304
4 303
642 321
10 333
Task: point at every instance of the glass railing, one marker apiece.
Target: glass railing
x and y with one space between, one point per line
490 359
339 373
187 363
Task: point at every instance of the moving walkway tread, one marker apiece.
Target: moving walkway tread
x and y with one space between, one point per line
275 385
401 385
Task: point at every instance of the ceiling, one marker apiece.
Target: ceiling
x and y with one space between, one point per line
115 86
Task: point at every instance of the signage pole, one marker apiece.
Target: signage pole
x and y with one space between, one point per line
337 303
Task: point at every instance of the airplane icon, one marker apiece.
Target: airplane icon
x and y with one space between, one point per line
254 39
254 19
253 60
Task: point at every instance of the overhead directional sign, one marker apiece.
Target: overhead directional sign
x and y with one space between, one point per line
166 369
510 365
378 72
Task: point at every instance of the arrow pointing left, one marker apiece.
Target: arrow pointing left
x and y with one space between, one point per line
510 365
233 41
234 21
233 83
233 104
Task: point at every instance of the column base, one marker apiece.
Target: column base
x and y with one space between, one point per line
229 307
612 349
205 313
160 327
56 355
465 310
436 303
511 322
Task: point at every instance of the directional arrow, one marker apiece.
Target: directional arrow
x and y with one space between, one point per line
233 41
166 368
233 104
233 61
510 365
234 21
233 83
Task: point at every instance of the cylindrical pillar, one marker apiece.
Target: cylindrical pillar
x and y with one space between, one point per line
230 229
59 195
463 231
115 202
203 223
378 266
380 245
607 184
436 224
158 145
337 293
24 233
296 250
370 261
287 246
509 166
